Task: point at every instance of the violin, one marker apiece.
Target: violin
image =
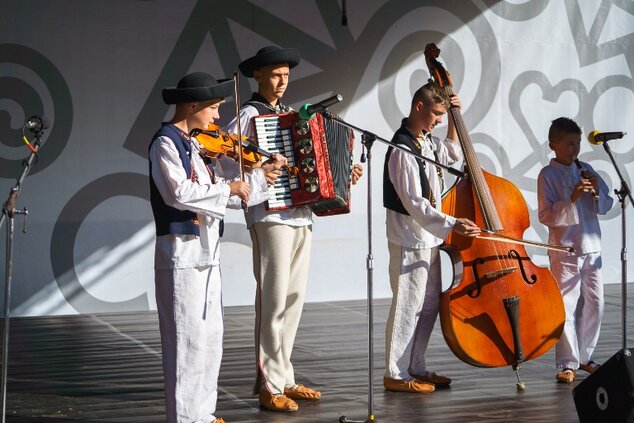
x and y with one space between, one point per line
215 141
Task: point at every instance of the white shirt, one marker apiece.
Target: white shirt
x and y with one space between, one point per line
206 199
571 224
295 216
426 226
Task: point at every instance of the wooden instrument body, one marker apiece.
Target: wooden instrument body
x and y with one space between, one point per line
473 317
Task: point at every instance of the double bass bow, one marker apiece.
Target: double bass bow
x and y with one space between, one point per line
501 309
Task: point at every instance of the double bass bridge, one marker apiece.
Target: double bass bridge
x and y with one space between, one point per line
488 277
480 280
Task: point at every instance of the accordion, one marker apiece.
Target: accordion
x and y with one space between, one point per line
320 149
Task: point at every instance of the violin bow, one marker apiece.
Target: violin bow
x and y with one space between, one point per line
236 97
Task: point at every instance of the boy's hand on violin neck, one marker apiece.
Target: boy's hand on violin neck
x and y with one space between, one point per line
241 189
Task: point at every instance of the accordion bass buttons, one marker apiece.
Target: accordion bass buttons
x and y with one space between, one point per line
305 146
302 127
311 184
308 165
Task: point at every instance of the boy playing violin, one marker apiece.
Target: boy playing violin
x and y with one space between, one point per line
189 198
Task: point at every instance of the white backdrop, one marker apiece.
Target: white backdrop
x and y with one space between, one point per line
96 68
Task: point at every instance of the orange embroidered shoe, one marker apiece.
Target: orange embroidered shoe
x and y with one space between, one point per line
431 377
219 420
301 392
590 366
276 402
566 375
401 385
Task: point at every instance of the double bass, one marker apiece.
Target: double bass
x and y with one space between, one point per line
501 309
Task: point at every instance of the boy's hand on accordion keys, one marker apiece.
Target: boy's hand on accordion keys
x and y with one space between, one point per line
357 173
273 168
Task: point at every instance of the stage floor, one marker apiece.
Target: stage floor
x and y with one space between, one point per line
107 368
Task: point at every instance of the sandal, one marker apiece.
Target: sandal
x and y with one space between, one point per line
566 375
590 366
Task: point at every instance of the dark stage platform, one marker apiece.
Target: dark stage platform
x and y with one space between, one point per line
107 368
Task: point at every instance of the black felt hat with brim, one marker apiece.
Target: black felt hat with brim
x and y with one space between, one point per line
267 56
198 86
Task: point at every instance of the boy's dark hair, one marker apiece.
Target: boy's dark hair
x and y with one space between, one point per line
561 126
430 93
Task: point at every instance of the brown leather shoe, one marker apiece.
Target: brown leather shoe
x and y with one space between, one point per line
437 380
301 392
400 385
276 402
566 376
590 366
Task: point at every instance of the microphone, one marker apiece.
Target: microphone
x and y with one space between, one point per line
36 123
598 138
307 111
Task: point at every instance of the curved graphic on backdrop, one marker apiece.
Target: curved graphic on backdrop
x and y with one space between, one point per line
490 66
25 94
341 65
65 235
517 12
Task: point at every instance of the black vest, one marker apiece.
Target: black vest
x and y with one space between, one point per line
167 219
264 107
403 136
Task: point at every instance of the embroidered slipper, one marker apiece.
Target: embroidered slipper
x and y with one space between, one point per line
590 366
566 376
301 392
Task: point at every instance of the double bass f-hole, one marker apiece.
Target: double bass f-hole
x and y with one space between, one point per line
516 256
474 291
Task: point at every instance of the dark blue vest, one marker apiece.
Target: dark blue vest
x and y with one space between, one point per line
167 219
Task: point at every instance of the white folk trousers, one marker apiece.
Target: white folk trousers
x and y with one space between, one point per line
189 303
416 284
581 285
281 257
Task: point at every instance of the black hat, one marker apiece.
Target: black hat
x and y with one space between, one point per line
198 86
269 55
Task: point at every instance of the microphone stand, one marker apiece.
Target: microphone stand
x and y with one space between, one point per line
623 194
367 139
8 213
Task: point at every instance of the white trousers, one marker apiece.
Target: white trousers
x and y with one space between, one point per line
416 284
281 257
189 304
581 284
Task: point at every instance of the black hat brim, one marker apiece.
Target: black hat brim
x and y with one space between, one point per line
175 95
275 57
